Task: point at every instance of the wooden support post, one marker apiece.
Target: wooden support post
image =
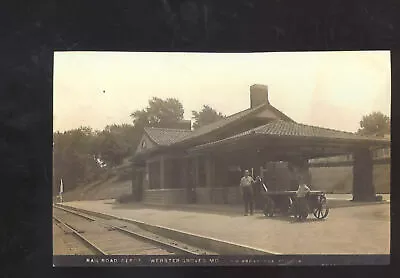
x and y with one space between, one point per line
185 173
162 172
196 171
213 174
363 187
134 181
209 167
138 183
147 177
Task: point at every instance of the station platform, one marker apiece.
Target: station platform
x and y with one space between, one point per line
358 229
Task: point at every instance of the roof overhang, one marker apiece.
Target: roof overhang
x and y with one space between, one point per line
216 128
290 145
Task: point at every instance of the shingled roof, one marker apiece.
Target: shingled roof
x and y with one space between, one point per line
230 120
166 136
282 129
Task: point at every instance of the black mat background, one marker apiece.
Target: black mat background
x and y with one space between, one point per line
31 30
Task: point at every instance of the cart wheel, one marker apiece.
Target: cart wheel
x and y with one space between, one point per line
322 210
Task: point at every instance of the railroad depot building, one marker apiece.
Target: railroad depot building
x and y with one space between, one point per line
180 165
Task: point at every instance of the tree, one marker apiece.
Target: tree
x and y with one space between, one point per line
158 113
76 151
110 150
74 157
206 116
375 123
127 136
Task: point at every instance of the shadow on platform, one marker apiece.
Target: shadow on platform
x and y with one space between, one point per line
291 219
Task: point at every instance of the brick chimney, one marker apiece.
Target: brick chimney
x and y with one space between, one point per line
258 95
185 124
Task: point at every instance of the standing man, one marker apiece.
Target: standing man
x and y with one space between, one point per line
303 189
246 188
258 187
301 201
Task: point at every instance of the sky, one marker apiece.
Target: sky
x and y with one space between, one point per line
327 89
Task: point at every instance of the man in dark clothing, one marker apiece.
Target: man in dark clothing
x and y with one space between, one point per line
246 188
257 189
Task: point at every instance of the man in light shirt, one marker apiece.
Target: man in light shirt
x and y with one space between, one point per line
246 183
302 191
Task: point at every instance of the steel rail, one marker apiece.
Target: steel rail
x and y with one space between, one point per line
154 241
77 234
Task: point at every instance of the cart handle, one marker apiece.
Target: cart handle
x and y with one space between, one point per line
265 188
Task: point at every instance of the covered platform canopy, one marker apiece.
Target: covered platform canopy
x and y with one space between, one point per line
287 141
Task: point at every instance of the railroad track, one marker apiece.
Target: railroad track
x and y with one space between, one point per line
65 242
116 237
